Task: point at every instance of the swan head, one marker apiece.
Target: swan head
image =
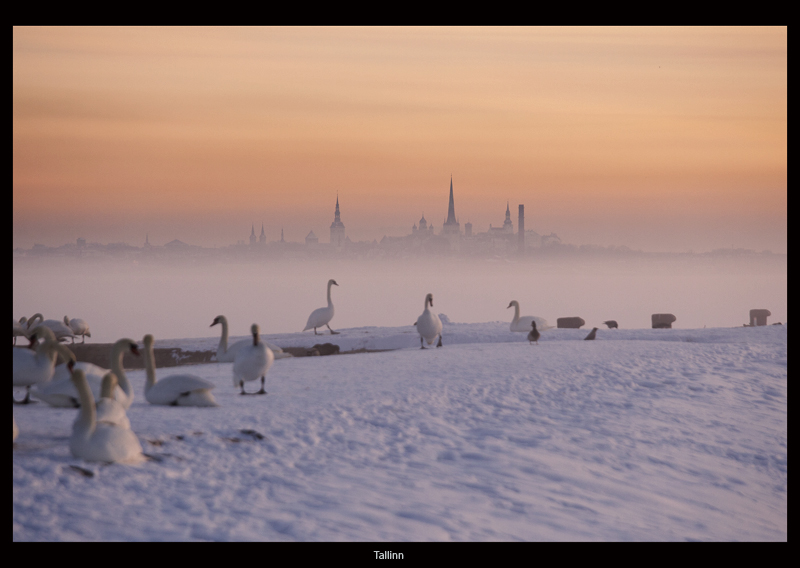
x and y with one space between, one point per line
429 300
108 385
512 303
66 321
148 341
128 344
255 330
332 281
218 319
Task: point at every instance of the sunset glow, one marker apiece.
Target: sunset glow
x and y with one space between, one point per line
664 139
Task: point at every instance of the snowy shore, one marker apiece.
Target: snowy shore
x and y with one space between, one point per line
642 434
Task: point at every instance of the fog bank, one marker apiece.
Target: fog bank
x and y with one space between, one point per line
180 300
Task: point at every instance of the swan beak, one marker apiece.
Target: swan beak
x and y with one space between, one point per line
135 350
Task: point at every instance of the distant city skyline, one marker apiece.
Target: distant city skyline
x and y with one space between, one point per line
659 139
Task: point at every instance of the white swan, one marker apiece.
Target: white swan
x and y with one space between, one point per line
78 327
252 362
36 366
108 408
226 354
61 390
524 323
322 316
429 325
99 441
175 390
60 330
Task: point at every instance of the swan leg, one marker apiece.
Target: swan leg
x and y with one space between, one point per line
421 346
262 391
332 332
440 341
315 331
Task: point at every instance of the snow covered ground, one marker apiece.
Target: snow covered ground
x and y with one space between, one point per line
642 434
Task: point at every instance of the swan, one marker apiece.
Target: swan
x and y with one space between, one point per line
16 430
92 440
524 323
108 408
226 354
534 334
175 390
429 325
321 316
251 362
36 366
60 330
61 390
78 327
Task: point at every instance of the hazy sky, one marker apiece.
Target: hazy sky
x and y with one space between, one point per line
664 139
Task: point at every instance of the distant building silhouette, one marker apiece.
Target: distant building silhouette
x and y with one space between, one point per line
451 227
262 240
252 234
337 228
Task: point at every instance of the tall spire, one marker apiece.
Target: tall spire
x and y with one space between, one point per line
451 207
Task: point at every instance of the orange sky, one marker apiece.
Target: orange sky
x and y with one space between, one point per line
655 138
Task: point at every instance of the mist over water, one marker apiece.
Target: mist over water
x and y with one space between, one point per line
180 299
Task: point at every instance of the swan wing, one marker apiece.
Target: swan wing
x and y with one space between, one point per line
112 412
319 317
107 443
171 389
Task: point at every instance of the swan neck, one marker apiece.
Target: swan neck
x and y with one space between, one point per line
116 365
33 319
87 415
330 304
223 341
150 366
516 312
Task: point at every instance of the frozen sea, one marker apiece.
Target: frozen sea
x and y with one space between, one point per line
640 435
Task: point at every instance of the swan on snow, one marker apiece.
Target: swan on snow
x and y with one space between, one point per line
175 390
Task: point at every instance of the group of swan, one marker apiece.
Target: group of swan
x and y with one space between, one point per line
61 391
68 328
322 316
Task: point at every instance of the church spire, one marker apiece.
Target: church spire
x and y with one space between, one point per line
451 207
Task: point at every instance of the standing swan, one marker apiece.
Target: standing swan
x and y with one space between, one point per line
175 390
524 323
78 327
227 354
321 316
429 325
99 441
251 362
61 391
